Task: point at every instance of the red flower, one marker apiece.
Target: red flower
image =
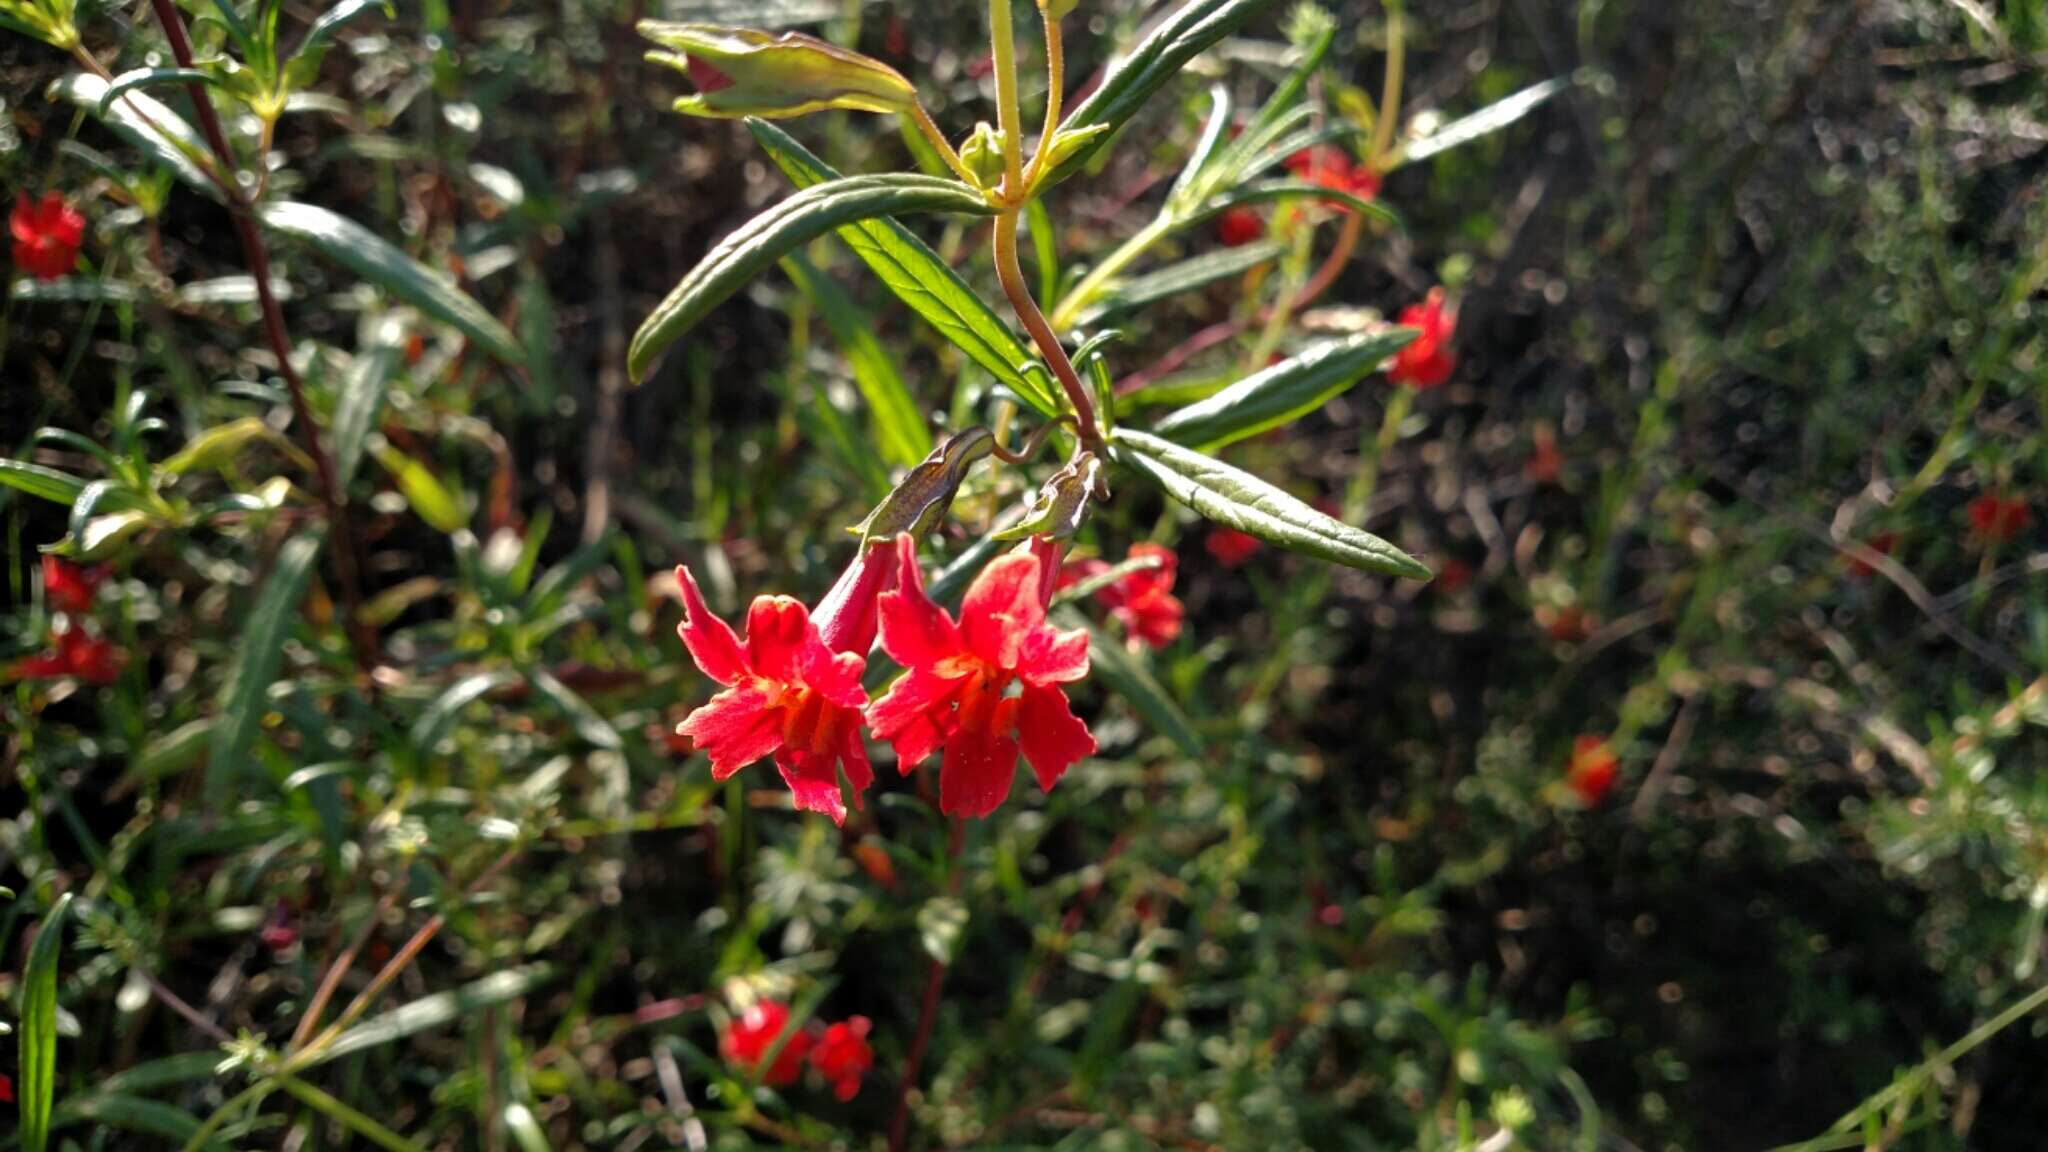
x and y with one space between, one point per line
1329 167
1546 463
1452 578
1592 771
1426 361
1995 519
1239 226
279 933
1143 601
1231 548
955 693
1881 543
747 1040
46 235
6 1088
792 687
68 587
842 1056
1568 624
88 658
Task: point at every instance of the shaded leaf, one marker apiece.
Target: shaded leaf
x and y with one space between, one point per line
435 1011
376 260
1182 276
38 1038
260 650
148 124
1112 664
899 427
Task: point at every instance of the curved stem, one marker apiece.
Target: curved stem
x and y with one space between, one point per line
1012 276
1032 443
1390 94
940 144
1056 74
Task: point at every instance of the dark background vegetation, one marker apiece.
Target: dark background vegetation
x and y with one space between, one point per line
1764 275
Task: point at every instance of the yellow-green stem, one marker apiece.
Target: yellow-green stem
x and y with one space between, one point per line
1003 42
1390 95
940 144
1099 278
1055 82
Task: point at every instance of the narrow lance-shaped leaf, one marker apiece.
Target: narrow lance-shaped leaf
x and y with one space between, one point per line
1181 276
434 1011
1283 393
38 481
246 696
148 124
1161 56
361 400
918 277
38 1040
1487 120
378 261
1237 499
1295 190
778 232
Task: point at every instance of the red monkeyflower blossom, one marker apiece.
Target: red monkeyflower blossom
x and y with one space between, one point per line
792 688
1142 601
1329 167
1231 548
842 1055
279 933
1452 578
1995 518
1239 226
1546 462
1881 543
68 587
1426 361
1592 771
6 1088
747 1040
956 692
89 658
46 234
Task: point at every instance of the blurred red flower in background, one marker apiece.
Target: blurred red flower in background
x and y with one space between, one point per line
1239 226
1995 518
46 235
1427 361
842 1055
1231 548
92 659
1142 601
748 1038
954 693
1329 167
1593 770
68 587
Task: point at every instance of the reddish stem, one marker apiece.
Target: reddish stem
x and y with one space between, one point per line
363 639
928 1009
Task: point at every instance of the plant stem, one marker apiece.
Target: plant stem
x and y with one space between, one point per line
1003 42
1056 74
1390 93
1099 277
939 143
1012 276
928 1007
362 638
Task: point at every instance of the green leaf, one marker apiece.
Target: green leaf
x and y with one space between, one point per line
940 924
376 260
1486 121
594 728
361 400
778 232
45 483
435 1011
150 78
1179 277
105 1109
1112 664
331 21
422 490
428 729
1283 393
899 427
146 123
1237 499
245 698
38 1039
1295 190
217 447
1139 73
918 277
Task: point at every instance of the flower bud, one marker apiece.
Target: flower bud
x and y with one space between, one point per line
982 153
746 72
